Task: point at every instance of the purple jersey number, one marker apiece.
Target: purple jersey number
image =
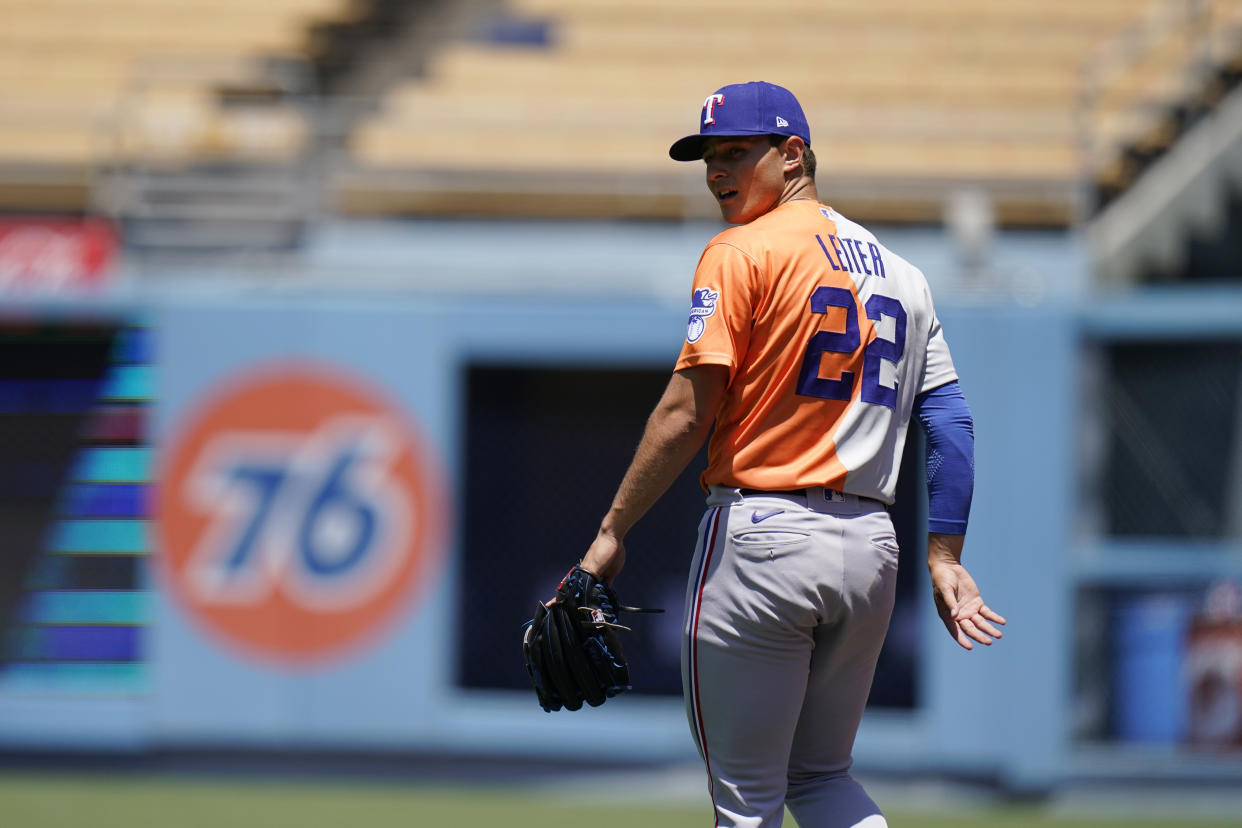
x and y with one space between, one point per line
811 384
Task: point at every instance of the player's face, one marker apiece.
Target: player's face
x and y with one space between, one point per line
746 175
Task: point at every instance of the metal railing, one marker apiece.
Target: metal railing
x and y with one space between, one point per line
1149 77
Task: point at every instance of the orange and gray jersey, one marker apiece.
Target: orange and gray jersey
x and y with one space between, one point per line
828 337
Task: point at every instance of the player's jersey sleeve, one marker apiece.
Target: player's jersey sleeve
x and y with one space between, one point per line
728 284
937 363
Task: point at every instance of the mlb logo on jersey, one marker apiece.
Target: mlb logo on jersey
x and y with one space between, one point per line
702 305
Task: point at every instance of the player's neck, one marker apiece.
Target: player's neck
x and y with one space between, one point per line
801 188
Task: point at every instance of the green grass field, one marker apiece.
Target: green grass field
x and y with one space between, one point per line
64 800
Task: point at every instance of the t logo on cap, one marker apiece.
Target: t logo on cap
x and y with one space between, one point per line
709 105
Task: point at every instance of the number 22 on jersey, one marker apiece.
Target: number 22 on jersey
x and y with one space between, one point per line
811 384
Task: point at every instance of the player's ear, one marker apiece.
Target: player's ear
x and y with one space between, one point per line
792 150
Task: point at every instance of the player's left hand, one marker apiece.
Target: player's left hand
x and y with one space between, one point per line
572 644
605 557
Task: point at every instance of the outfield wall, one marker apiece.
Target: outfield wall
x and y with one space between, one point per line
344 490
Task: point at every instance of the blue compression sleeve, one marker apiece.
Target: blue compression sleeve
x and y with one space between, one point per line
950 431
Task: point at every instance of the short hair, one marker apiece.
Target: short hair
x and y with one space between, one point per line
808 155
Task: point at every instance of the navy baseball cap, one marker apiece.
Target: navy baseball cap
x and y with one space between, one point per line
755 108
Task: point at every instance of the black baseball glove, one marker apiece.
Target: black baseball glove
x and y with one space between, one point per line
571 646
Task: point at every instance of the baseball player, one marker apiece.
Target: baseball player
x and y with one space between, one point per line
810 347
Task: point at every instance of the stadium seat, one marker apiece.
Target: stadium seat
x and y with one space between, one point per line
908 100
85 83
933 95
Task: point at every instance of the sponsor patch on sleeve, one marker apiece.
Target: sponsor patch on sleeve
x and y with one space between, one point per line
702 305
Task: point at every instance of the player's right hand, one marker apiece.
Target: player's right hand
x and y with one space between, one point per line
958 602
961 607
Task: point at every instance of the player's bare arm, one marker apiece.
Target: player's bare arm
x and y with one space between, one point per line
958 602
675 431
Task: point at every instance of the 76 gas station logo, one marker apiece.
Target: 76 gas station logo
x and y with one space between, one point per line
318 515
297 514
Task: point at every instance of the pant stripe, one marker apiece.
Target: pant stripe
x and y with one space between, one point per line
709 538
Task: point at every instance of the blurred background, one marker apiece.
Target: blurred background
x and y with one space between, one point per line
329 326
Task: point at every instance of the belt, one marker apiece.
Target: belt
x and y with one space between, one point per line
785 492
798 493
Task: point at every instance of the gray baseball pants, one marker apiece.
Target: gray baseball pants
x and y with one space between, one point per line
787 607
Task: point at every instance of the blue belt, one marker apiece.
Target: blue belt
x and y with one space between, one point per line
796 493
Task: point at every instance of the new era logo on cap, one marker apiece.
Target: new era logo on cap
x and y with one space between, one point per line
755 108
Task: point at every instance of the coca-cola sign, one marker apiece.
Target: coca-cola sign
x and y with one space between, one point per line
55 254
